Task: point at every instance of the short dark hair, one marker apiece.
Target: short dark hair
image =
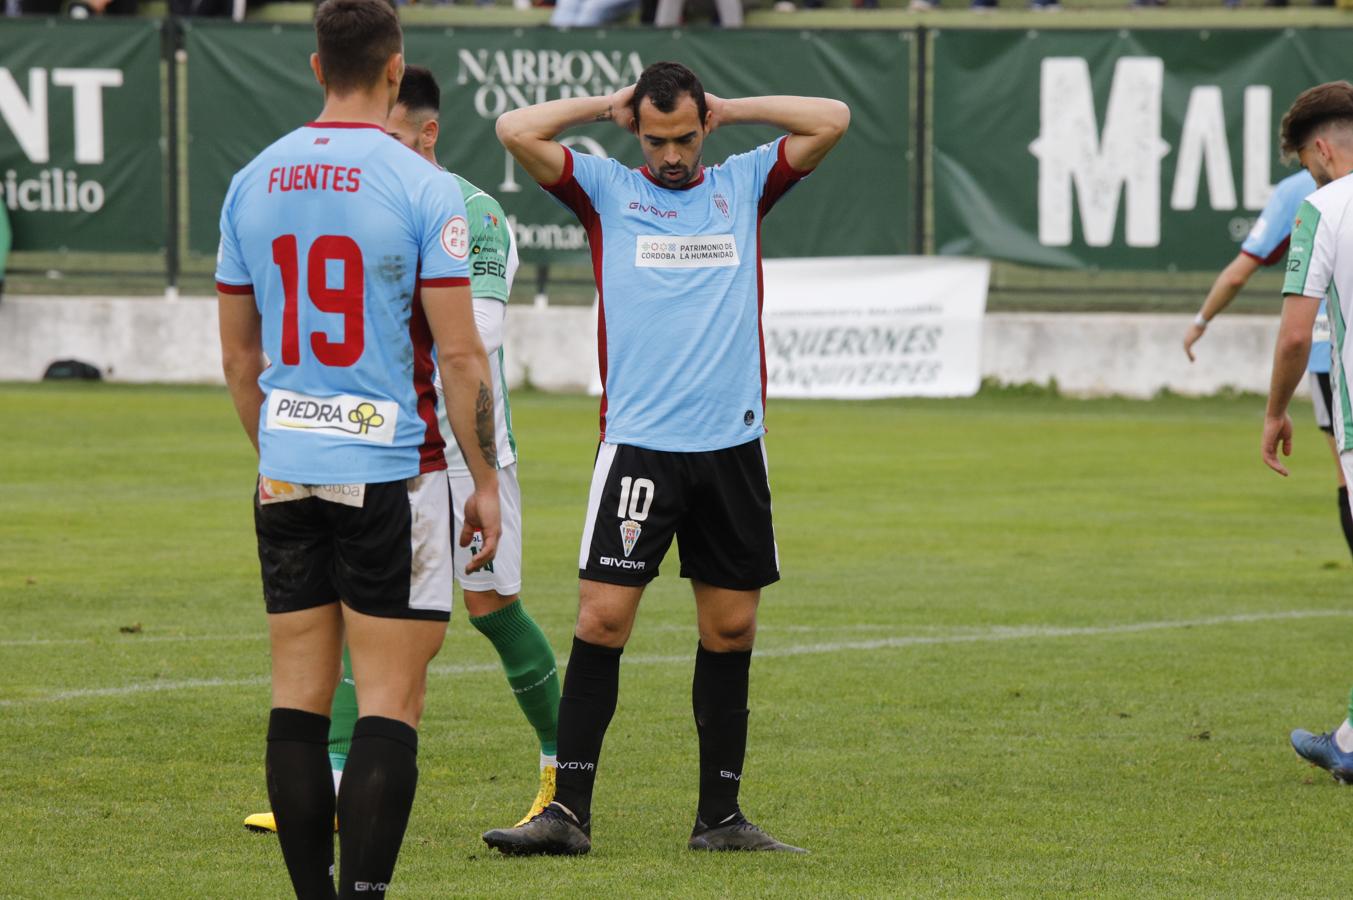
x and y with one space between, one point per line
418 92
355 40
1313 109
664 83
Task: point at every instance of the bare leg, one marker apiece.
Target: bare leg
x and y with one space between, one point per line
481 603
389 663
1338 466
727 618
606 612
307 657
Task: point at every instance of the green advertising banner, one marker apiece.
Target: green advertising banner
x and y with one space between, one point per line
1114 149
248 85
81 165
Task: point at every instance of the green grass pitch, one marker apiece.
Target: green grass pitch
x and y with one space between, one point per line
1024 646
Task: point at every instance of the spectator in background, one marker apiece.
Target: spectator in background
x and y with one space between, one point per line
235 9
588 13
669 13
84 9
985 5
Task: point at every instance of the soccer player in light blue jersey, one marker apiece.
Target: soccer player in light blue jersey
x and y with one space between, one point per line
492 593
343 258
676 254
1266 245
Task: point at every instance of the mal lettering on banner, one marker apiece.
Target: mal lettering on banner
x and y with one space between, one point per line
1147 149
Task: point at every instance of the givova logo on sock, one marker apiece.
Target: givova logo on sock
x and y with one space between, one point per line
577 766
363 887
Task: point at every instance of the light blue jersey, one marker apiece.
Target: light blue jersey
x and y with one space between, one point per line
332 229
1267 243
678 273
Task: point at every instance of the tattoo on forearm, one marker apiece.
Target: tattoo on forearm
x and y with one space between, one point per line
603 116
483 424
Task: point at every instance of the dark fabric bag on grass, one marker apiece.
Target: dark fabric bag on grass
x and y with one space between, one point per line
64 369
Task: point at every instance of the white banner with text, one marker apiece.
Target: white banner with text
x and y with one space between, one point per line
874 326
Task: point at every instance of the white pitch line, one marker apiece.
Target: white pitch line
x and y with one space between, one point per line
128 640
989 635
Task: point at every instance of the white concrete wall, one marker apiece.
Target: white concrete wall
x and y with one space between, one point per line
1096 354
554 348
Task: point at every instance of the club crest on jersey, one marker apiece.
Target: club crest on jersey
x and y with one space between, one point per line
456 237
629 535
722 203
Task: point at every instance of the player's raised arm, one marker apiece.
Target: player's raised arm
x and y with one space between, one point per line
814 124
529 133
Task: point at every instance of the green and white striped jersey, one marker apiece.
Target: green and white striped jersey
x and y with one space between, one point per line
1316 269
493 265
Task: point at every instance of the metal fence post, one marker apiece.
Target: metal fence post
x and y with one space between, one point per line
921 155
172 42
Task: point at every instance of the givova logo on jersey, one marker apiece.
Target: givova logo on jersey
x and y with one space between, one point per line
359 418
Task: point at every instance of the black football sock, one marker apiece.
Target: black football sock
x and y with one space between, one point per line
373 804
719 699
1346 517
591 686
301 791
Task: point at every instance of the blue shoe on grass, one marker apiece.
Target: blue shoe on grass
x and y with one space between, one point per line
1321 750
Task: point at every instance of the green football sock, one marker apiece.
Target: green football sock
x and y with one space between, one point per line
528 660
342 717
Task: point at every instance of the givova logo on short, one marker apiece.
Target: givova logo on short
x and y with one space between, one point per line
356 417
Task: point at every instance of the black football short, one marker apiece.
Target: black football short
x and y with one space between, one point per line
715 503
383 549
1322 398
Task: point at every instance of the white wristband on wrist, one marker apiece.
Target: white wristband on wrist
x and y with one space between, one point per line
1200 320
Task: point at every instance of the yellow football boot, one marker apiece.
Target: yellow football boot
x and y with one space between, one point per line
261 822
543 799
265 822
